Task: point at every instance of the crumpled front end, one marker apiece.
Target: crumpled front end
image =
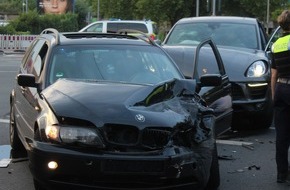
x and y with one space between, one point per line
168 144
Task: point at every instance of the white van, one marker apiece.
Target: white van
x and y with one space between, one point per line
112 26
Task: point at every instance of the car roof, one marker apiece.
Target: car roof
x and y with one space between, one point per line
91 38
125 21
235 19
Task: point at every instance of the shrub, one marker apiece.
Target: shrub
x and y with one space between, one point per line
33 23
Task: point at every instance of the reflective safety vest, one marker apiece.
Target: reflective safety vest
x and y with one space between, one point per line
282 44
281 56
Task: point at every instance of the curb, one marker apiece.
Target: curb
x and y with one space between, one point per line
12 52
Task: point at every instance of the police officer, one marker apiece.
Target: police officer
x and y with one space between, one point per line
280 84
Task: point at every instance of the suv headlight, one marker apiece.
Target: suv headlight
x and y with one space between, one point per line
257 69
74 135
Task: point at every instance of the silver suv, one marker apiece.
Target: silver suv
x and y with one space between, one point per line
113 26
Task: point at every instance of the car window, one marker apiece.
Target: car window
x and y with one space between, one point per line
114 27
226 34
135 64
37 65
274 36
98 27
207 63
35 60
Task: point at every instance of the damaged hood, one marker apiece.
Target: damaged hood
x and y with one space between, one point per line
172 104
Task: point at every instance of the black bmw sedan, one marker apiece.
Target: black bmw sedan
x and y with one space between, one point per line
111 111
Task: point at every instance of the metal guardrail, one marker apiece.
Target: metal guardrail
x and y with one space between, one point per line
15 42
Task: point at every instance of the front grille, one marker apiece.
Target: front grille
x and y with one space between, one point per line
155 138
126 135
121 134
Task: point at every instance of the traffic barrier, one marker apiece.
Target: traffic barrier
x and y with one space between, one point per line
15 42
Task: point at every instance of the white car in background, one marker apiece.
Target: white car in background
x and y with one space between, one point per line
113 26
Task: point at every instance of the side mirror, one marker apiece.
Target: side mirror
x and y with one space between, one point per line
211 80
26 80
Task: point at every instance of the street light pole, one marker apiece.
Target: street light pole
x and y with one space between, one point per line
98 9
26 5
197 8
268 10
213 7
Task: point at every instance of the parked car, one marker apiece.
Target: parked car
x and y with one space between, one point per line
241 42
113 111
113 26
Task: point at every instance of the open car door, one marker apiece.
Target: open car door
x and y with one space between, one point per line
213 83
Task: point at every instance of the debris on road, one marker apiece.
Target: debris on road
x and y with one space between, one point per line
236 171
250 147
5 162
225 157
229 142
254 166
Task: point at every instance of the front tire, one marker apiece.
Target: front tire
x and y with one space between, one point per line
15 142
214 178
37 185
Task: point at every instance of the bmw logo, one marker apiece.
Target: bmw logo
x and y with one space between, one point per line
140 117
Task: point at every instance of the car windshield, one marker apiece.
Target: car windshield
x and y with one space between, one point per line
224 34
121 63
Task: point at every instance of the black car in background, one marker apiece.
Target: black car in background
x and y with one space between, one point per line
110 111
241 42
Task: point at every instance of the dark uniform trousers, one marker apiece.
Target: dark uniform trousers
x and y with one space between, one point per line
282 125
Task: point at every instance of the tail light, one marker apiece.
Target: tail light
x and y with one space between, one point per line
152 36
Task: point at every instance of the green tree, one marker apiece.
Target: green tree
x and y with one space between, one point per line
15 7
250 8
82 8
165 11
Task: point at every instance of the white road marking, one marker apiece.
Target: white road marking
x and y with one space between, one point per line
4 121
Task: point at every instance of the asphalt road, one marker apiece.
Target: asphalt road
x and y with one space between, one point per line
241 167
